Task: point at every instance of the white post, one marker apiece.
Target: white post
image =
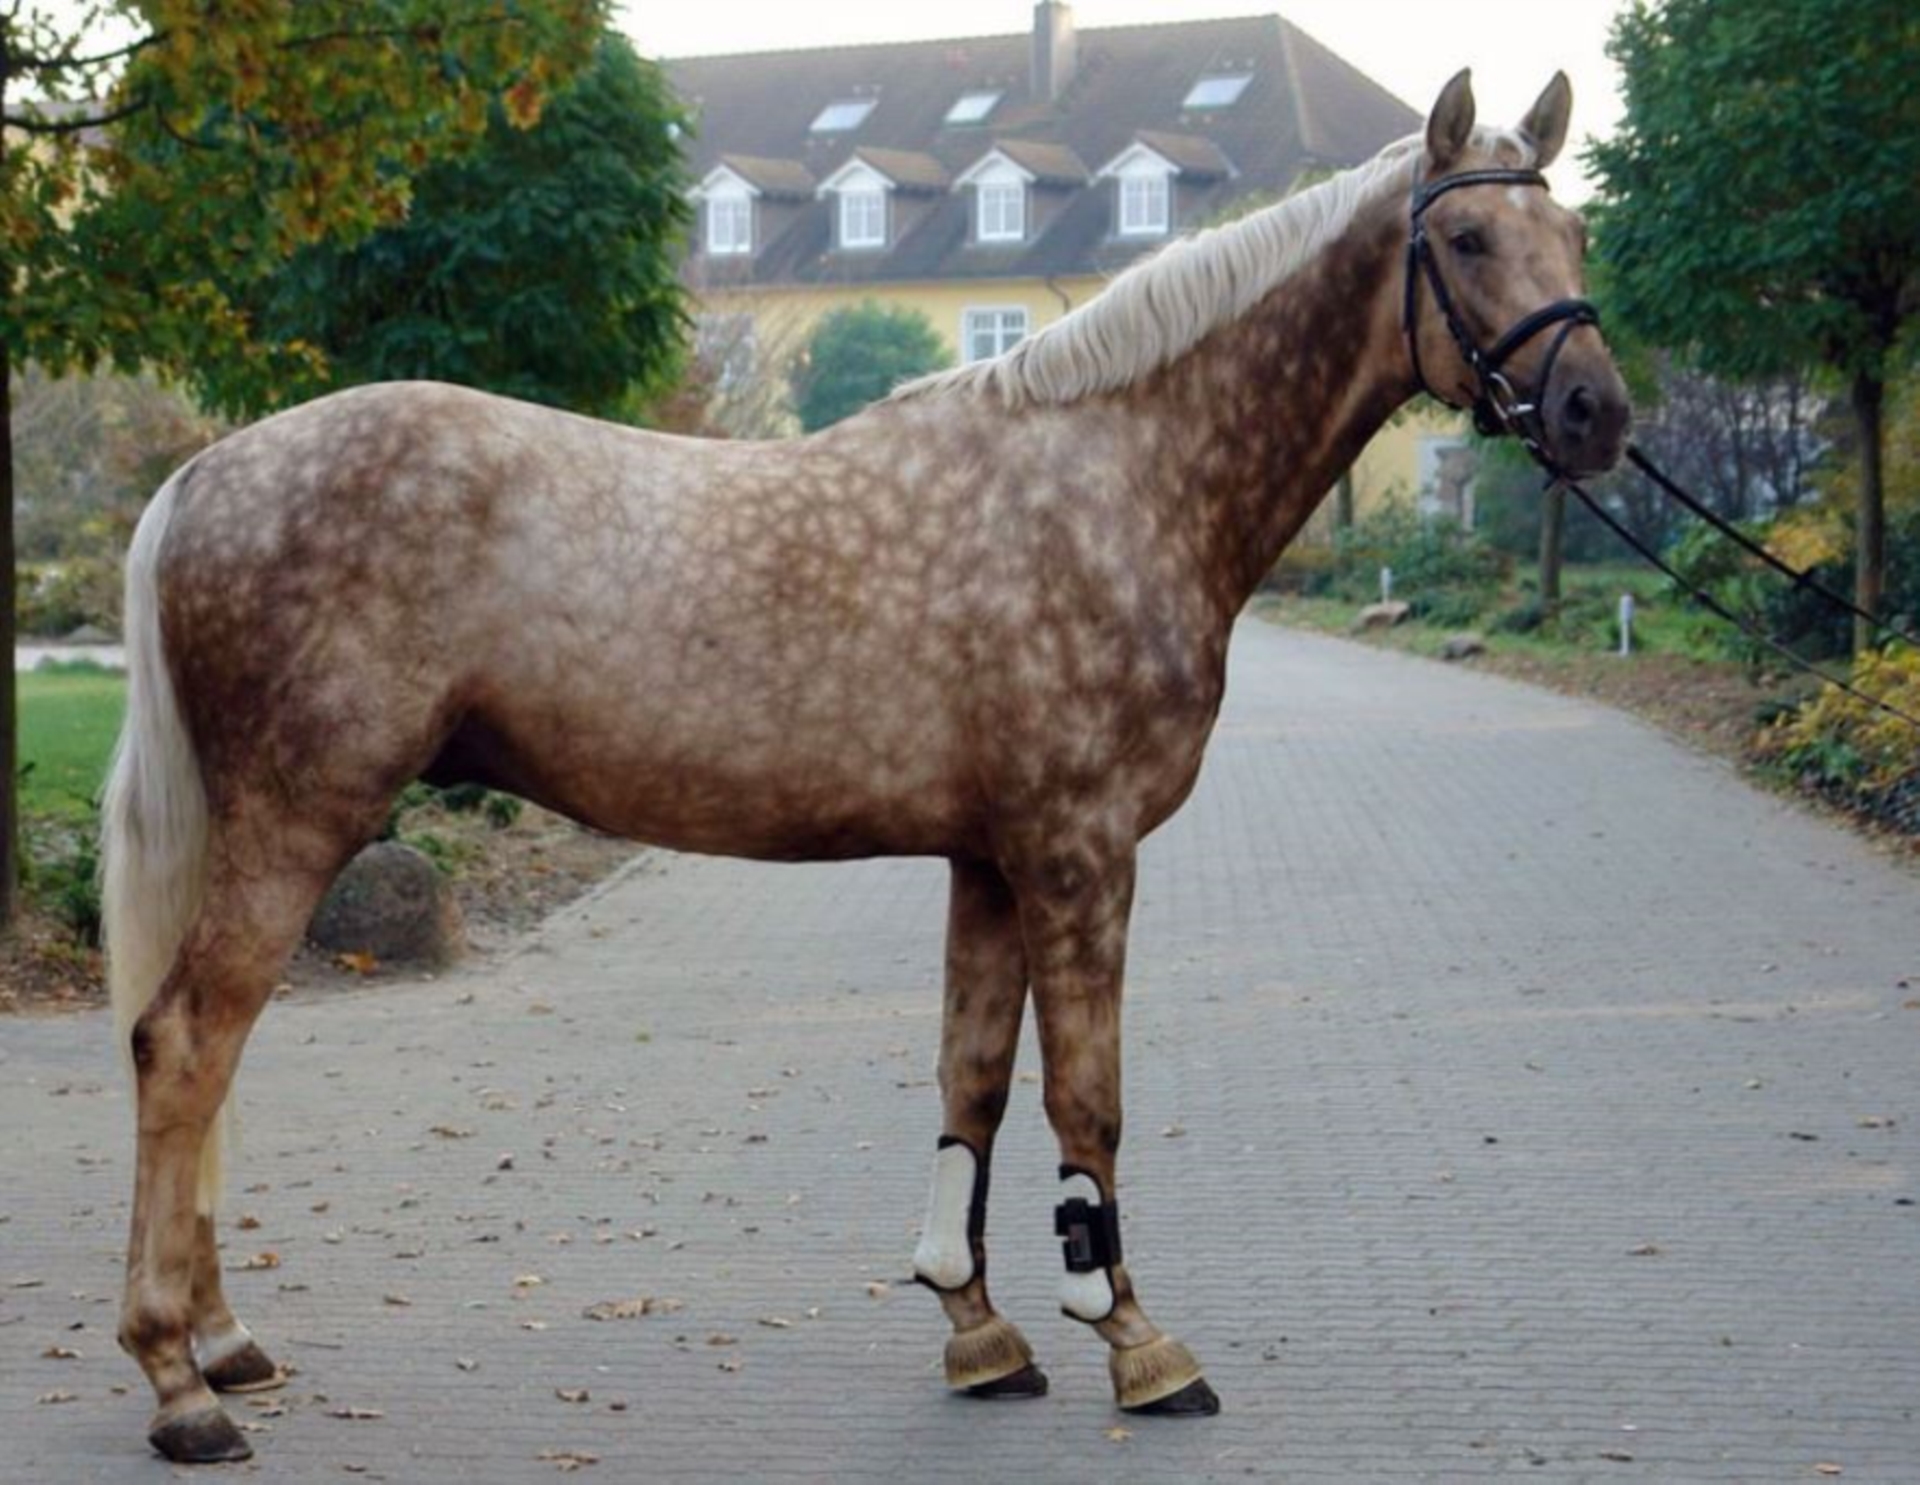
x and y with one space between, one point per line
1626 624
1386 585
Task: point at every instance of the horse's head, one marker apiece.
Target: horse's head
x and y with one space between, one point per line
1494 318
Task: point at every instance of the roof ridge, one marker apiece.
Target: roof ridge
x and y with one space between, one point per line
1081 33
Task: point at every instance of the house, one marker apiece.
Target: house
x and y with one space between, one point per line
996 182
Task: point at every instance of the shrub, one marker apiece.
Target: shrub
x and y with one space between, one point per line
1428 557
859 355
1845 750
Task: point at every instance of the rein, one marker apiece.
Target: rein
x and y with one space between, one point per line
1497 407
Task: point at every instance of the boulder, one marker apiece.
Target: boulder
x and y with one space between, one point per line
391 903
1463 646
1381 615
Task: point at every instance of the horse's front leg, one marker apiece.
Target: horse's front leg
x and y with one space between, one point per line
986 994
1074 910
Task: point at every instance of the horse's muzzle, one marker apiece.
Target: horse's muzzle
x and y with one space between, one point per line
1587 419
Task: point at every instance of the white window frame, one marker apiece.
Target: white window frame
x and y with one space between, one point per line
729 224
1215 90
1005 324
973 107
1000 211
863 217
1145 203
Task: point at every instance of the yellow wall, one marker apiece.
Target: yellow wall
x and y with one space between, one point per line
785 316
1387 469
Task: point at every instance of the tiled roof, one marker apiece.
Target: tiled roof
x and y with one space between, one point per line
911 170
780 178
1304 108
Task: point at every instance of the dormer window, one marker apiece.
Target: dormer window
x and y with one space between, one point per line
730 224
1001 212
1144 203
1222 90
842 116
971 108
863 218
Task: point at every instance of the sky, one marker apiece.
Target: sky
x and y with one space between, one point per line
1410 47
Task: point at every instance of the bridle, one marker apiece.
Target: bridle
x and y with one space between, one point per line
1497 406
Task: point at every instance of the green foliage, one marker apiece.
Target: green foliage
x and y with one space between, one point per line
1847 751
540 265
56 598
856 356
1439 567
1757 207
239 133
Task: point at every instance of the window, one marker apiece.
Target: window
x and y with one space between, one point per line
729 224
842 116
1002 211
1143 205
986 333
971 108
863 219
1217 92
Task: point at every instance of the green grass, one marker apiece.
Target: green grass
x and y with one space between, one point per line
68 721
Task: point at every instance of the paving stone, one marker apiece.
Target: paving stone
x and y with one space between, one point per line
1496 1025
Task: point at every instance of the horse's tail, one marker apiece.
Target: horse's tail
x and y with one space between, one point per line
153 816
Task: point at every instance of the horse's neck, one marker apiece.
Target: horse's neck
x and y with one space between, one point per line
1267 412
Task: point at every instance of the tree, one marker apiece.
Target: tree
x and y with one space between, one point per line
541 264
306 121
1758 212
858 355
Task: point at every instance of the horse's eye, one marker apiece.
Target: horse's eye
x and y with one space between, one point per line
1468 242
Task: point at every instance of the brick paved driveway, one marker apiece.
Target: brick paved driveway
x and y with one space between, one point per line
1510 1093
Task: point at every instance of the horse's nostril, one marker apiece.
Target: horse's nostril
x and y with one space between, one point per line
1580 410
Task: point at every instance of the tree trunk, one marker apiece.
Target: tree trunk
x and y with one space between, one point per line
1553 526
1870 547
9 718
1343 502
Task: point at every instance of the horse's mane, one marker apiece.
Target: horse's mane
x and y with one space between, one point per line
1166 304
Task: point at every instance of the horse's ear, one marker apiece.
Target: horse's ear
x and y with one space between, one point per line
1450 124
1546 122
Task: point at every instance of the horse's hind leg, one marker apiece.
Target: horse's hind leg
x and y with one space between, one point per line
230 1359
1074 907
985 996
186 1045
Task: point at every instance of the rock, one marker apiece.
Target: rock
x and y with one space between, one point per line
1463 646
1381 615
392 903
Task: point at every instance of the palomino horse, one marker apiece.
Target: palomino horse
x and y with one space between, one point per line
985 620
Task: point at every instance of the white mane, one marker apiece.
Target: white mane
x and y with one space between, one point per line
1166 304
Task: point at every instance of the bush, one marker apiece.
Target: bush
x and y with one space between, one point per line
1429 558
1851 753
56 598
859 355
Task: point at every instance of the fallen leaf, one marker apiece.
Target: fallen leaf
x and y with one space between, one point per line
61 1353
360 964
630 1309
451 1132
568 1460
398 1301
1645 1250
879 1289
528 1281
246 1222
355 1415
1875 1121
1174 1132
776 1322
721 1338
268 1259
1119 1435
58 1395
731 1364
572 1394
1618 1456
1827 1468
466 1363
533 1325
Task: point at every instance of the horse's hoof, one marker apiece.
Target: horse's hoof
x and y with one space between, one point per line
992 1351
1160 1371
1029 1381
207 1436
247 1370
1195 1400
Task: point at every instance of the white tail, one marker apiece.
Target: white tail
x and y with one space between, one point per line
153 817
